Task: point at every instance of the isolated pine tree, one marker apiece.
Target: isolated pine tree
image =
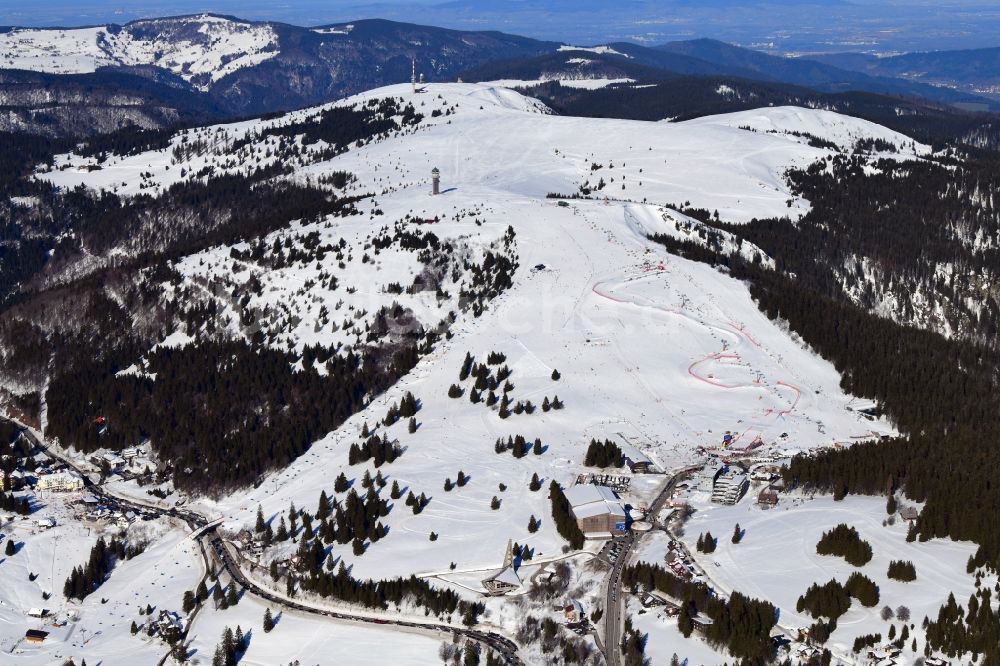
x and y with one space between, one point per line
268 624
231 597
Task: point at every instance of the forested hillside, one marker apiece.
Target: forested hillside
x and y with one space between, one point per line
91 283
680 98
941 392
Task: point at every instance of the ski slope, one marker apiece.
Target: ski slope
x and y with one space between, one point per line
96 630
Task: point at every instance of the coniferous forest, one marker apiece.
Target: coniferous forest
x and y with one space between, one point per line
740 624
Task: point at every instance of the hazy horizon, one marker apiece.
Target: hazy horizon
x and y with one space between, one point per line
789 26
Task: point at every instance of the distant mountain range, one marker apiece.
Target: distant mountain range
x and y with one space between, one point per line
228 67
976 71
157 72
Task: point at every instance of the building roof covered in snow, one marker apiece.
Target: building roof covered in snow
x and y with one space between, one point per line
586 493
598 508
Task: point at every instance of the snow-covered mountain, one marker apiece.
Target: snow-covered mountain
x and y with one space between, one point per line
199 49
600 295
227 67
245 67
267 259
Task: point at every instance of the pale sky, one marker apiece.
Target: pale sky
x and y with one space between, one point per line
779 25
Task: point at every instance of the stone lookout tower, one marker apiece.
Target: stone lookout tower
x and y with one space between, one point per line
436 180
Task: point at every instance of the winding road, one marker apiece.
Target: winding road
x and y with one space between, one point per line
207 533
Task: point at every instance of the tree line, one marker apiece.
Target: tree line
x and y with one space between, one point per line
740 624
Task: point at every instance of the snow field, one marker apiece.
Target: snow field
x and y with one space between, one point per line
776 560
309 639
171 564
496 138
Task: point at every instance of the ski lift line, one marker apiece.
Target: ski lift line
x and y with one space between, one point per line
798 395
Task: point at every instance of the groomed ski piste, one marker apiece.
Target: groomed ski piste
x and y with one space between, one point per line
654 350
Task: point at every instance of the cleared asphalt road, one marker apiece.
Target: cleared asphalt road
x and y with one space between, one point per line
612 600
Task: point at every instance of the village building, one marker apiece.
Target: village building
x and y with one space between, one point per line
763 474
573 611
131 453
701 623
60 482
908 513
35 635
597 510
767 498
122 522
637 461
113 461
12 481
710 473
650 600
730 487
506 580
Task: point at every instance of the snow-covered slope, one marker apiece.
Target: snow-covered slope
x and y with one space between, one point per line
582 83
490 140
844 131
663 352
200 49
652 351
